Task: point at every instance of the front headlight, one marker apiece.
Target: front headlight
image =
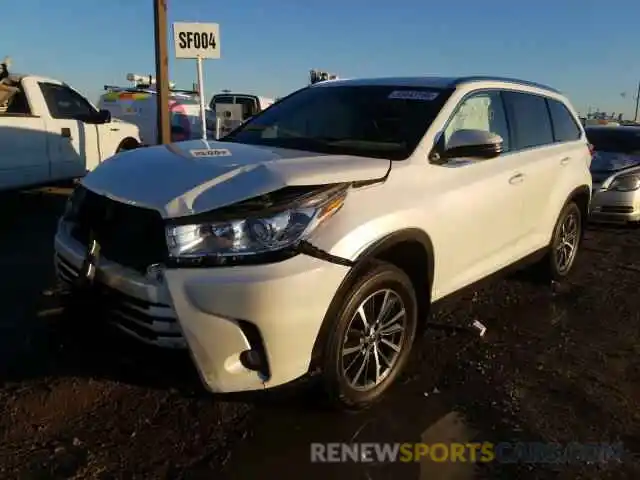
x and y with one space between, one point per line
625 183
255 234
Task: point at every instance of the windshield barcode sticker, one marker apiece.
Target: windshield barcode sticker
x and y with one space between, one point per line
413 95
211 152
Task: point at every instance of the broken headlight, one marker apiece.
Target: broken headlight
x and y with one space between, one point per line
253 234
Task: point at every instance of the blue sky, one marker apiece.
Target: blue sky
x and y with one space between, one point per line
589 49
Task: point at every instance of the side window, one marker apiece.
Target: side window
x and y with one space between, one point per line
529 117
482 111
64 103
564 125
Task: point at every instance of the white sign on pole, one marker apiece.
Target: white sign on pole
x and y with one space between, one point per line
193 40
198 41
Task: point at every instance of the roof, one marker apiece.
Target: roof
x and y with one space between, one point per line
18 77
238 94
434 82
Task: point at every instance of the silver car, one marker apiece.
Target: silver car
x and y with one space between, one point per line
615 169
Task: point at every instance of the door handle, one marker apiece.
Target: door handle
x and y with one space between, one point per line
518 178
565 160
65 132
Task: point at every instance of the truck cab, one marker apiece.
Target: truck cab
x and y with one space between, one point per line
49 132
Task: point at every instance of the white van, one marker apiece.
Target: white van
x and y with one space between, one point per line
138 105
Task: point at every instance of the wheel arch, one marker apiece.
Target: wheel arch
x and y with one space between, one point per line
409 249
582 197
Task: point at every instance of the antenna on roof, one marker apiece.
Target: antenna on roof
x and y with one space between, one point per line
145 81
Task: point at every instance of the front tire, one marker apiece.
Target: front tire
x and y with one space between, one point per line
565 243
372 337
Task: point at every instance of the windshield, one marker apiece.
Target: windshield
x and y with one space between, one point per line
615 148
372 121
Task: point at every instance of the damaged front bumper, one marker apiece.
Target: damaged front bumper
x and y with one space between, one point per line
247 328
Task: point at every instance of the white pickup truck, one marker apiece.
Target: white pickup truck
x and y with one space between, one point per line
49 132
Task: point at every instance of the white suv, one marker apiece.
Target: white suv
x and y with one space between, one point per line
315 237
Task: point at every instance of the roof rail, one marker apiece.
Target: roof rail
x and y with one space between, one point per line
482 78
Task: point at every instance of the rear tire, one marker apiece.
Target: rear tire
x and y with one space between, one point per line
563 250
367 349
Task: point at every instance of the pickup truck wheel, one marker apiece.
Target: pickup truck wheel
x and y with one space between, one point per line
372 337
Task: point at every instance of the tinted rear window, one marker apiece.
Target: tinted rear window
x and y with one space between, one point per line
565 128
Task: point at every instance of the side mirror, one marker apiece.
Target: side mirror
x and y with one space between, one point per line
471 143
100 117
104 116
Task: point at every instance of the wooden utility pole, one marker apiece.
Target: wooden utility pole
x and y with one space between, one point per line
635 117
162 70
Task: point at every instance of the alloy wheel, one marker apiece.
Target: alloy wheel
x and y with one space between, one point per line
374 340
566 245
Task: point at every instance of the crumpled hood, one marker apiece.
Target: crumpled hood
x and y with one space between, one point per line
197 176
613 161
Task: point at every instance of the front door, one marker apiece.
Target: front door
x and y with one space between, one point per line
482 199
74 144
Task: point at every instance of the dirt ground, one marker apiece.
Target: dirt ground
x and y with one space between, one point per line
556 365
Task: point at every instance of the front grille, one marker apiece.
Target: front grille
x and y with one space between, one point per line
128 235
153 323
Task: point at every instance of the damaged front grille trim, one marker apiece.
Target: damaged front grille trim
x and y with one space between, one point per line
150 322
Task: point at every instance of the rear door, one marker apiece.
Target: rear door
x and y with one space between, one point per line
540 158
74 148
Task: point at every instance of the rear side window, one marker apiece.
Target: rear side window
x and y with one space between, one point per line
564 125
529 120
